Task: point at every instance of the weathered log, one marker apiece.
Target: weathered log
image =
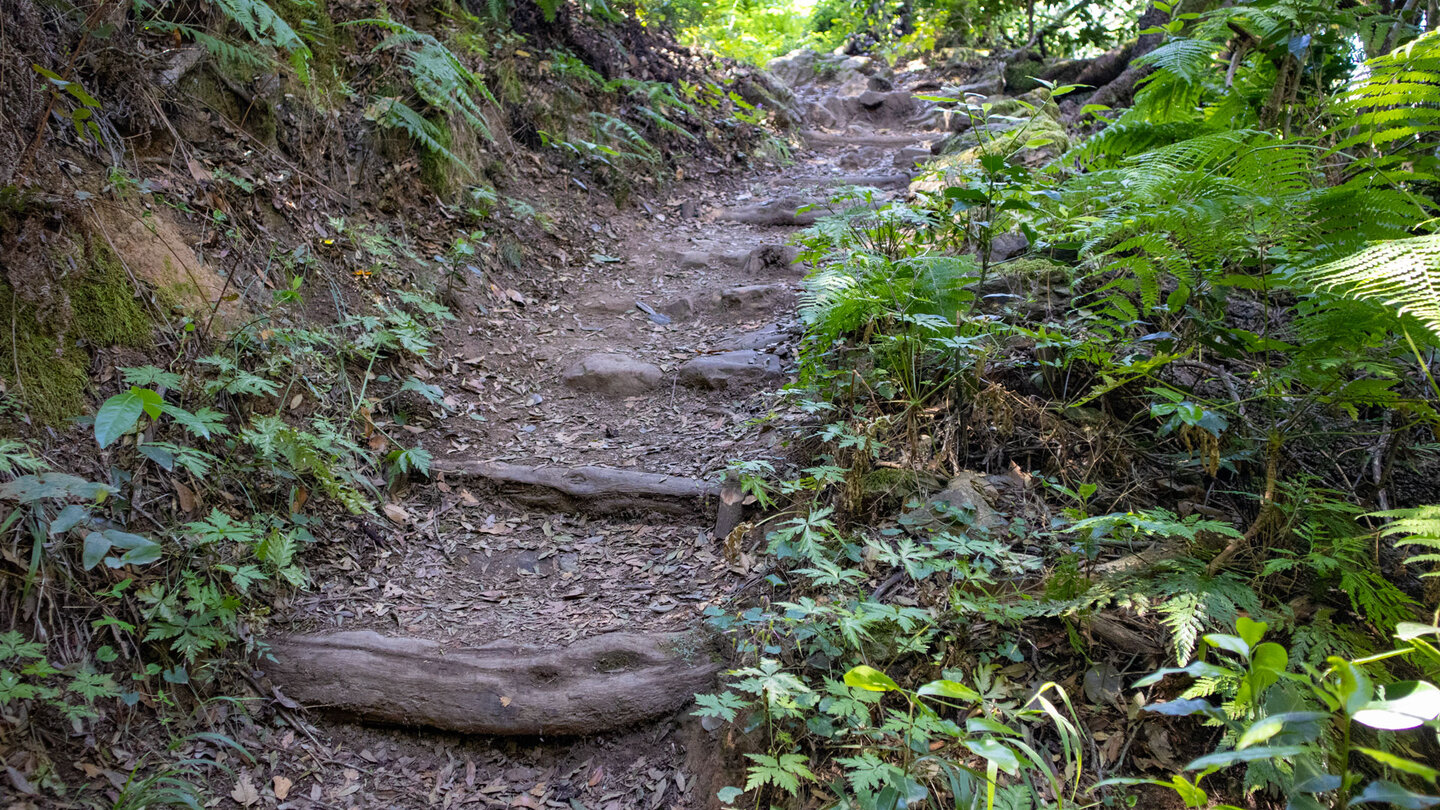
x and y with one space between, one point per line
872 180
606 682
817 138
782 212
601 490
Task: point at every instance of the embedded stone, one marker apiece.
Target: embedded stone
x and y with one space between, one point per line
612 373
735 369
753 298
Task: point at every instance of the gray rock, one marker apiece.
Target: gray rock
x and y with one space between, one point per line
870 99
820 117
700 259
795 68
1007 246
863 158
911 156
734 369
612 373
607 304
783 211
766 336
753 298
681 309
990 85
969 493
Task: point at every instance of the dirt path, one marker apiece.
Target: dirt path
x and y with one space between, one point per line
587 378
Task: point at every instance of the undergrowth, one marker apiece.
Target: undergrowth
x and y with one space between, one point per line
1193 403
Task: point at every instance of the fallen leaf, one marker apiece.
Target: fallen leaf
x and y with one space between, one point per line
296 401
244 792
504 701
282 787
396 513
186 496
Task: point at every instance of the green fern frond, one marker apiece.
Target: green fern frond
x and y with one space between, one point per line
615 130
665 123
1419 527
396 114
1403 274
437 75
1188 60
263 25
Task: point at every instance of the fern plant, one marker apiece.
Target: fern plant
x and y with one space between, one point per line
262 25
440 80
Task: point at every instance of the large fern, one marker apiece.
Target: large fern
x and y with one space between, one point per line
437 75
262 25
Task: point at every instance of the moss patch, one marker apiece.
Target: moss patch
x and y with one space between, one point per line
312 21
437 170
1019 76
51 378
48 362
103 300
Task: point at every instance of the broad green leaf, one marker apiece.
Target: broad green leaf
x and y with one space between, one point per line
52 486
728 795
1400 763
1195 669
69 517
988 725
97 545
1351 685
1002 756
950 689
1383 792
1184 708
870 679
1407 704
1250 630
151 401
1271 657
1405 631
118 416
1260 732
1222 759
1234 644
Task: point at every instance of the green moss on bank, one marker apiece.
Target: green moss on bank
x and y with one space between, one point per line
50 362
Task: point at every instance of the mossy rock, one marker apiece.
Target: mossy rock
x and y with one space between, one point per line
1020 76
891 488
1036 269
103 300
50 362
1046 133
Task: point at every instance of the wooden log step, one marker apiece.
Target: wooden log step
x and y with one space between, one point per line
601 490
598 684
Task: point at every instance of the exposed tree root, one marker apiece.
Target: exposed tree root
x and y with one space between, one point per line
598 684
783 212
600 490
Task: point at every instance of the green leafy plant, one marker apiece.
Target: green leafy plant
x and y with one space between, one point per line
1300 732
